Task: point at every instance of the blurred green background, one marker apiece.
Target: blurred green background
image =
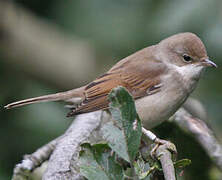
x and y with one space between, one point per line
54 45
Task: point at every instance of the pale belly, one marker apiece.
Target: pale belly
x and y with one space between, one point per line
177 86
156 108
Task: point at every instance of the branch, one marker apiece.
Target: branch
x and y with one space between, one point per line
165 157
63 163
202 133
66 147
161 151
31 162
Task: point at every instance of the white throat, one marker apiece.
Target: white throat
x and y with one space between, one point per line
189 75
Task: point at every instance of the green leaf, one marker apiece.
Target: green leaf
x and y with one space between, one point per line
115 170
96 162
114 136
142 168
182 163
123 110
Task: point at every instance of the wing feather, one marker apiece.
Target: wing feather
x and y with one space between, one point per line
136 77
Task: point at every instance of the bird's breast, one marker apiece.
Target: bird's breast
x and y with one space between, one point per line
154 109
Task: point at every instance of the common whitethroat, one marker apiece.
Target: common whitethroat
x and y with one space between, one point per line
159 77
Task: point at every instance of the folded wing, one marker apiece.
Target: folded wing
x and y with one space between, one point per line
140 79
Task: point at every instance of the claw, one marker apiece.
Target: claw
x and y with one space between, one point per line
159 142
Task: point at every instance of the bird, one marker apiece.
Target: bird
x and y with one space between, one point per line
159 77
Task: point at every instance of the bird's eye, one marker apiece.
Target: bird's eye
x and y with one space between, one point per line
187 58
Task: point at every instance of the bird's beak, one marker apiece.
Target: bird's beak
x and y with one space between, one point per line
207 62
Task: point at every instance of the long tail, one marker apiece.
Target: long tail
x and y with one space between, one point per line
62 96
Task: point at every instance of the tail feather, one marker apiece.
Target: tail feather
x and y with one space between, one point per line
62 96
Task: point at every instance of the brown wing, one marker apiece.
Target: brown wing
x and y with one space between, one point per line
136 77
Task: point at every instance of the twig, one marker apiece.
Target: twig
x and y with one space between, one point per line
162 151
31 162
63 162
202 133
165 157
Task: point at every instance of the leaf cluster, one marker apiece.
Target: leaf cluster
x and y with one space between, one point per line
119 156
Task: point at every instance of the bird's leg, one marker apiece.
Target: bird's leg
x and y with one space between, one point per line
158 142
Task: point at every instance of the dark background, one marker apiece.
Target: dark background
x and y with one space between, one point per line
51 46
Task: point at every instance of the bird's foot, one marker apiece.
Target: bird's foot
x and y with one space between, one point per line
168 145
